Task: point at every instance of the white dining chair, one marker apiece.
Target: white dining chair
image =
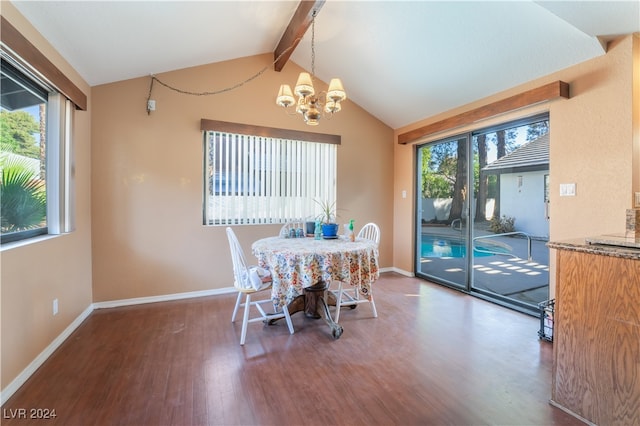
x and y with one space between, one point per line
351 296
249 281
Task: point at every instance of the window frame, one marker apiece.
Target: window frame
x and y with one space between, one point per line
21 78
254 140
64 98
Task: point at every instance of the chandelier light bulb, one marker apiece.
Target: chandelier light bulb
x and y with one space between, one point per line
285 96
336 92
304 86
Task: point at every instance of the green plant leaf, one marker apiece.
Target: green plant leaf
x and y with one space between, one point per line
23 199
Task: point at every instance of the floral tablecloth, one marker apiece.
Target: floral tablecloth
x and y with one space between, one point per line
296 263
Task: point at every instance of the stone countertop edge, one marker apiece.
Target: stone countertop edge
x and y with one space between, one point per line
581 245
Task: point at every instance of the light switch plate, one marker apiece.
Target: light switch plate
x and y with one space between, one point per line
567 189
637 201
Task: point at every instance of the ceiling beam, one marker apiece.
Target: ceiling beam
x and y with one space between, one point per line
296 29
548 92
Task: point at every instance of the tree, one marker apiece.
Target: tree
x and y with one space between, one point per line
437 172
481 178
23 195
460 183
17 133
535 130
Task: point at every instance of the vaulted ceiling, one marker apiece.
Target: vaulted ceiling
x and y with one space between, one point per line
400 60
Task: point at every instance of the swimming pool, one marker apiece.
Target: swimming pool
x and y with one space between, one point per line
446 246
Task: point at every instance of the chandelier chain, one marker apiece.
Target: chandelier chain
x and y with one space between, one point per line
313 45
226 89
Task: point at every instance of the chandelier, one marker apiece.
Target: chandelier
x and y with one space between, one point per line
311 105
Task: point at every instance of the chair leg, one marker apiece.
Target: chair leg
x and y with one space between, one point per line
235 309
287 317
338 302
245 319
373 307
373 304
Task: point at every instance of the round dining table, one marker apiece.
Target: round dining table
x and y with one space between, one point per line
299 265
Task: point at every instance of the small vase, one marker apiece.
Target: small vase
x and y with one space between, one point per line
329 230
310 227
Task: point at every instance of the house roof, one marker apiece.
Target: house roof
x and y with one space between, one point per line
531 156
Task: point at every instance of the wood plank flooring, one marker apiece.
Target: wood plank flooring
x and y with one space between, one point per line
433 357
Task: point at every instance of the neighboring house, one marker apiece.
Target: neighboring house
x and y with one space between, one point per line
524 183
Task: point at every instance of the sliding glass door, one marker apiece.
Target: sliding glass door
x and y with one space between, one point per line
482 212
443 235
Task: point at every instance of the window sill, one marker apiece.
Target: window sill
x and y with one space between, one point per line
17 244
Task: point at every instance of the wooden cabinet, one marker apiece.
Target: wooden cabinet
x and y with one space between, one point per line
596 371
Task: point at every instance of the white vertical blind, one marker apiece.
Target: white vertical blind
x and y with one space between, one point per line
260 180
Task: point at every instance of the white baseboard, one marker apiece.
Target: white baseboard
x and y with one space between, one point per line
12 387
163 298
399 271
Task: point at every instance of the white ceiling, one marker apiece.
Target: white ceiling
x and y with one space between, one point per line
400 60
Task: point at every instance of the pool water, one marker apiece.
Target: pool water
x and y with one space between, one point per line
438 246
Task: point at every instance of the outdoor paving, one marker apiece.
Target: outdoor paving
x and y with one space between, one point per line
513 275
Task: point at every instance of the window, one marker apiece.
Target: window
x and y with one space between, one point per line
253 179
35 156
30 82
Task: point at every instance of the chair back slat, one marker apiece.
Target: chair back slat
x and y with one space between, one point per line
240 270
370 231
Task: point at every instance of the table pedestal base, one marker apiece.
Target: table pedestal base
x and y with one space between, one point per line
315 303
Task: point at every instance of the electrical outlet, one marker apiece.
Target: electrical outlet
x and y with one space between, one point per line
151 105
55 306
637 202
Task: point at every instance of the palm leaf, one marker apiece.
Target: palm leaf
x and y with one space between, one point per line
23 201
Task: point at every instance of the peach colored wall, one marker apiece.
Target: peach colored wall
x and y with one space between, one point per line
591 145
59 267
142 227
148 237
636 116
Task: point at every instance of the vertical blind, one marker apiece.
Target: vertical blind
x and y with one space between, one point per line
263 180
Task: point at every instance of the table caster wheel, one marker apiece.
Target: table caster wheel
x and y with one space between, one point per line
336 332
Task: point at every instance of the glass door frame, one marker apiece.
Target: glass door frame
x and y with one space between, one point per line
470 200
463 286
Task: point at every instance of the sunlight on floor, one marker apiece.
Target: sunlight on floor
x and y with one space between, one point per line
514 265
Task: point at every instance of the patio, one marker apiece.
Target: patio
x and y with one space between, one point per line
504 268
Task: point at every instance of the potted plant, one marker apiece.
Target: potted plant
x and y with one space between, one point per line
327 218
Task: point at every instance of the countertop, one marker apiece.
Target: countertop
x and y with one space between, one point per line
615 245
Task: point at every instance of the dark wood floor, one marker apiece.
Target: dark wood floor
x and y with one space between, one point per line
432 357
